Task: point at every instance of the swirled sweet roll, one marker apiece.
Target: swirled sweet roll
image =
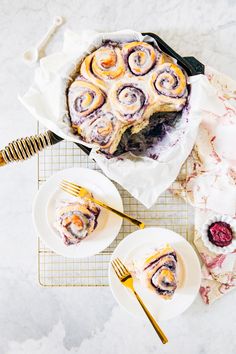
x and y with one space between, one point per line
128 100
84 98
159 272
141 57
103 130
169 84
91 116
132 103
76 220
103 65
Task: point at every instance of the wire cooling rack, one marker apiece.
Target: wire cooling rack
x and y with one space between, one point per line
55 270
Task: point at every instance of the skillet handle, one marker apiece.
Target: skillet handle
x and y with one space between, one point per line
196 66
24 148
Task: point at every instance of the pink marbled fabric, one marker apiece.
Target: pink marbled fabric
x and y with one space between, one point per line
211 182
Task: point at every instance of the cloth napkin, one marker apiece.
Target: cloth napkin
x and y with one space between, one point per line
210 185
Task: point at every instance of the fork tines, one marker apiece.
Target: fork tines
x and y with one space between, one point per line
70 184
119 268
70 187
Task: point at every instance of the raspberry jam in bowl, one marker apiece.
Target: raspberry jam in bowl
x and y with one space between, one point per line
219 234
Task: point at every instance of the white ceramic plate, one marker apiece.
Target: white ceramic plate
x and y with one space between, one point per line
156 237
49 197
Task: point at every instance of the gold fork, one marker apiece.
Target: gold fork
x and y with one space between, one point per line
78 191
127 280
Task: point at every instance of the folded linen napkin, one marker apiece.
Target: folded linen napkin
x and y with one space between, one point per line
210 185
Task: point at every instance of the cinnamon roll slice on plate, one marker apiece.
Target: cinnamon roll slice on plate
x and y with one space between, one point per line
159 272
76 220
71 226
165 269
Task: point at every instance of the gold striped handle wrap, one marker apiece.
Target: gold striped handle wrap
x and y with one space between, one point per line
24 148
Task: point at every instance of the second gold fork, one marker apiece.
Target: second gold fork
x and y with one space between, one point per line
127 280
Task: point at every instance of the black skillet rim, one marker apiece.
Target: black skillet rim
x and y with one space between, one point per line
190 64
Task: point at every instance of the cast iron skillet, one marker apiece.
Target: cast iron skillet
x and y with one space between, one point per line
24 148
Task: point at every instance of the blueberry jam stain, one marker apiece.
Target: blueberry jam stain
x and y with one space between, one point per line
160 124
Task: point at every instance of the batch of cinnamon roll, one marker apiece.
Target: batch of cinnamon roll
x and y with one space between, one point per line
120 86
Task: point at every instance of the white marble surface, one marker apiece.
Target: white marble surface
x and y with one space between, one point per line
36 320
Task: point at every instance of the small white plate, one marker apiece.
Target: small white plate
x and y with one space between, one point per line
49 197
156 237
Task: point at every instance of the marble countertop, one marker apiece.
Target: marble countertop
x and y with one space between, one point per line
37 320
